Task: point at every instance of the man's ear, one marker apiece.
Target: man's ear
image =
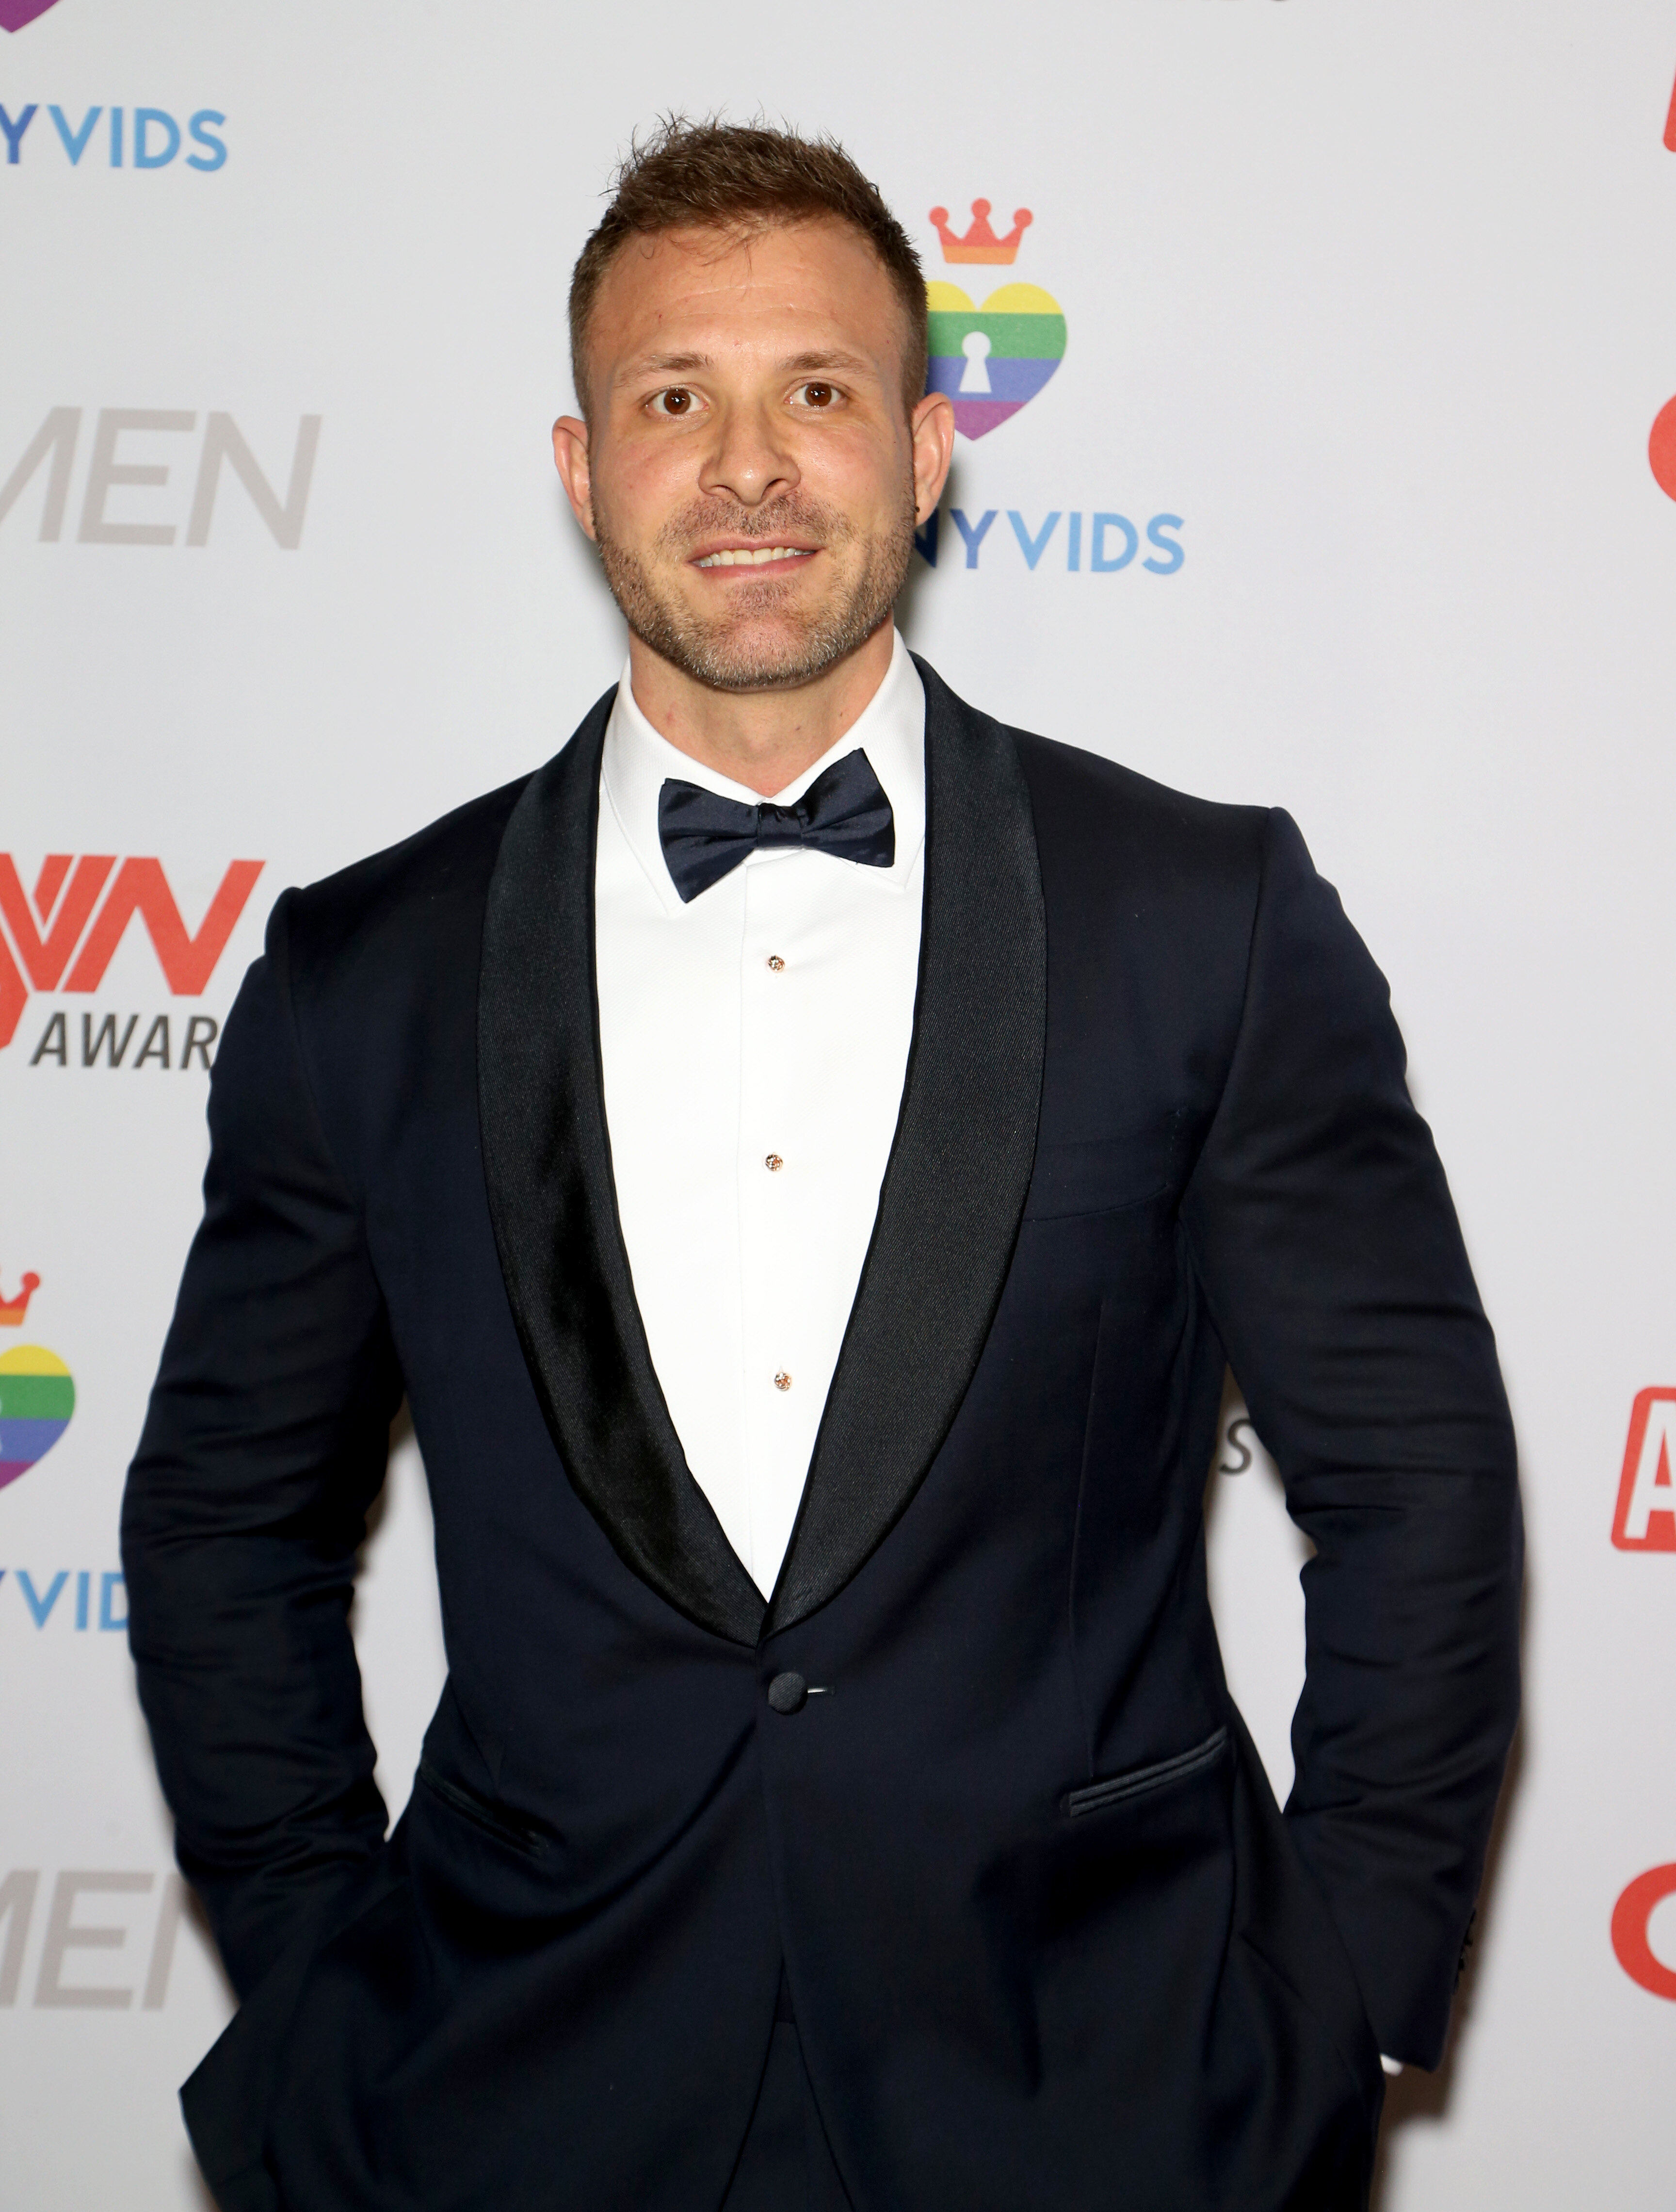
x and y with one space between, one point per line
570 454
931 425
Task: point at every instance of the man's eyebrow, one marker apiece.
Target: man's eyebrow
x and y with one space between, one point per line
806 364
812 363
665 364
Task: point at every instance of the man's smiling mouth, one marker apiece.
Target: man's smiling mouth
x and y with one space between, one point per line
757 558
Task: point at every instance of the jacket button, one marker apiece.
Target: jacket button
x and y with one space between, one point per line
788 1693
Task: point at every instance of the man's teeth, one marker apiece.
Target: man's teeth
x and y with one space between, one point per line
755 560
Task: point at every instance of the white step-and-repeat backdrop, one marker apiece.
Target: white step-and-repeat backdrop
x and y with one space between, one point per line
1344 476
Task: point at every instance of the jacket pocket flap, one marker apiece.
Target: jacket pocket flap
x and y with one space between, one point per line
505 1824
1141 1781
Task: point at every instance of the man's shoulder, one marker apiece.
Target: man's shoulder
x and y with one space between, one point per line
1104 822
1087 804
1073 785
410 898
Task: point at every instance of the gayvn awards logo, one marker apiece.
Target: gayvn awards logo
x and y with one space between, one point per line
1646 1517
64 932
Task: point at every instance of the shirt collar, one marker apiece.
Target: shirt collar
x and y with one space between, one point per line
891 729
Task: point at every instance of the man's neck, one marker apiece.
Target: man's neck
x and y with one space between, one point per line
763 739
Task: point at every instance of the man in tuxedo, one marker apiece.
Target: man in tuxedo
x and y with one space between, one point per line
807 1156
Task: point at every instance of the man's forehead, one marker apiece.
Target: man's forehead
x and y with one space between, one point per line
820 270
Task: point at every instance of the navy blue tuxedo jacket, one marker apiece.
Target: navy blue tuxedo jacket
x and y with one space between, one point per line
1048 1940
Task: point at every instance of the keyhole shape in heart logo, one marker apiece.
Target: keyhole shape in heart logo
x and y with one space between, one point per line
975 377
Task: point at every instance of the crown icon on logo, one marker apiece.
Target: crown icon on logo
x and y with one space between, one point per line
12 1310
980 243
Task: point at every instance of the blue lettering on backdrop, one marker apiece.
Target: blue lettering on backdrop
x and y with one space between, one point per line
144 119
42 1602
1155 536
1098 560
14 131
216 154
1032 547
974 534
1104 527
76 141
157 136
38 1605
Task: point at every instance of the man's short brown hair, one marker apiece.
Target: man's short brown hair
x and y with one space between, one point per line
742 178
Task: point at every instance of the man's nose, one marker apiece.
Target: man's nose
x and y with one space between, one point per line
750 457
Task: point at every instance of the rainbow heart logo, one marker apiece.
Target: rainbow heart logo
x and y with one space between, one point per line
14 13
991 360
37 1398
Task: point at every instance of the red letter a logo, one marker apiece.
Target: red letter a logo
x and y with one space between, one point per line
1646 1516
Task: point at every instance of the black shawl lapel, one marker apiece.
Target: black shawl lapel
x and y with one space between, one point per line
548 1167
954 1190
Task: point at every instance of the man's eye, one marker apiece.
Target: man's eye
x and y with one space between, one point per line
817 395
677 401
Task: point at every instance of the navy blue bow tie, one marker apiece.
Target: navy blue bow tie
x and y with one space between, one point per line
844 812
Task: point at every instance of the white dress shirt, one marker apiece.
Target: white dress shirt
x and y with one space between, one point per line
754 1045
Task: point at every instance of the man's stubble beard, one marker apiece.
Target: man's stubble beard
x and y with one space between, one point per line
714 653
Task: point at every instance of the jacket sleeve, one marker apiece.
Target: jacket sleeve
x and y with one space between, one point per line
264 1444
1330 1256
